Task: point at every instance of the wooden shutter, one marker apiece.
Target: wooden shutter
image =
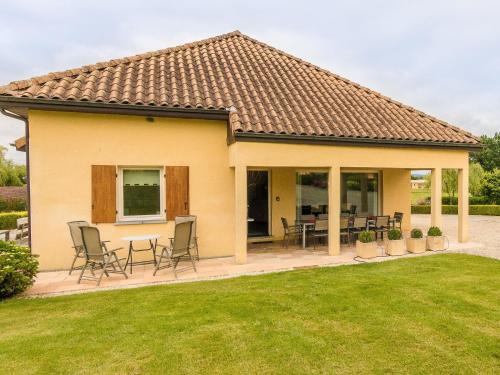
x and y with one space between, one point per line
103 193
177 187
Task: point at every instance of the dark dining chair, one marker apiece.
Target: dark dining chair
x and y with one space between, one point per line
398 219
381 225
320 231
290 232
359 224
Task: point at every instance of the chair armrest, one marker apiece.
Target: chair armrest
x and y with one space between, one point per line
112 251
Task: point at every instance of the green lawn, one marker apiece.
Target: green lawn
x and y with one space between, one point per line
419 194
434 314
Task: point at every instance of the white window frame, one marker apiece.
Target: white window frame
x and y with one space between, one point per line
119 195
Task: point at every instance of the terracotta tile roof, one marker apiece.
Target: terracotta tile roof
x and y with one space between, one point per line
267 90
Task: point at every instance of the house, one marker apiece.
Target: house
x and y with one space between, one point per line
229 129
418 184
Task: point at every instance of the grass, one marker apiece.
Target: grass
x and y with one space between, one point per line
418 195
434 314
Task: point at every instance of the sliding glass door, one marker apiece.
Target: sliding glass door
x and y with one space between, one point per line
312 193
360 193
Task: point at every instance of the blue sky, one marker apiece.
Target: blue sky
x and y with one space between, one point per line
440 56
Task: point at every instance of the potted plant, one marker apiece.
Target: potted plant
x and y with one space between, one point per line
435 239
366 245
395 244
416 243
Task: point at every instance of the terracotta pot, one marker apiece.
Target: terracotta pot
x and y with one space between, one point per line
366 250
435 242
416 245
395 247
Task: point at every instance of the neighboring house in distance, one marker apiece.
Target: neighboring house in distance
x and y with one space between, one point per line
228 129
418 184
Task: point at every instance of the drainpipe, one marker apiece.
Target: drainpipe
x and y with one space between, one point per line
28 190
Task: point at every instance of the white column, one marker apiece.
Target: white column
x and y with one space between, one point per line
436 181
463 204
334 211
240 214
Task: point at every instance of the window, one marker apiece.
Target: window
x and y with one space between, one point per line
140 194
312 193
360 190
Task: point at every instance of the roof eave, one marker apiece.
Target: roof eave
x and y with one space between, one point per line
350 141
112 108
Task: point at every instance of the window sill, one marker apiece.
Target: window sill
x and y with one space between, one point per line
137 222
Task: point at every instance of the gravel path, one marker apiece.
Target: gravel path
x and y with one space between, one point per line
482 229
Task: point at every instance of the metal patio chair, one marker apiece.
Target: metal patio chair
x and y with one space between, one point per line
381 225
76 237
290 231
97 256
398 219
320 231
345 229
358 225
179 250
194 239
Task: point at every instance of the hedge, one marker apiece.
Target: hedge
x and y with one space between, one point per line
491 209
8 220
472 201
13 204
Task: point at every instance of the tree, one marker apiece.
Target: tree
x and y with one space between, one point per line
491 186
450 183
489 156
11 174
476 176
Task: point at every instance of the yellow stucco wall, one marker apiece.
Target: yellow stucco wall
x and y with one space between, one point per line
396 194
63 146
283 186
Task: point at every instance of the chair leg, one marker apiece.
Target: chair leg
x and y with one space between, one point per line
175 262
158 263
83 270
192 261
103 271
196 247
119 266
73 264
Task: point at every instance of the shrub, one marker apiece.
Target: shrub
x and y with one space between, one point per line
416 233
394 234
8 220
367 236
14 204
17 269
472 200
491 186
434 231
486 209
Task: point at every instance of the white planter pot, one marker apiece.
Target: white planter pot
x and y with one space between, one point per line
416 245
366 250
395 247
435 242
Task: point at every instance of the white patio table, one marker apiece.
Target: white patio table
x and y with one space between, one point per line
304 225
153 240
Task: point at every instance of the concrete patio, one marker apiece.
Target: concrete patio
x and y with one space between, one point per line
262 258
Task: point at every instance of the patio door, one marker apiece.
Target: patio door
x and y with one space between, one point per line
258 203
